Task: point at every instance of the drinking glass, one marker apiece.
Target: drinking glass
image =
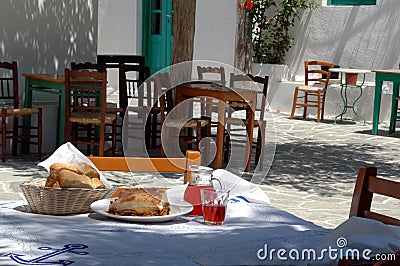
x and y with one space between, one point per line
214 203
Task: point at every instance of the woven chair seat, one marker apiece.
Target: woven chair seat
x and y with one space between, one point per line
91 118
21 111
114 110
144 109
310 89
240 122
192 123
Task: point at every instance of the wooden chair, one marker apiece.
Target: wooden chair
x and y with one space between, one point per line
161 165
368 184
216 74
90 130
198 127
212 71
313 96
394 115
141 96
259 123
86 105
9 96
88 66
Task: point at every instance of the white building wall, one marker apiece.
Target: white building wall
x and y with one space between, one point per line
215 31
45 36
364 37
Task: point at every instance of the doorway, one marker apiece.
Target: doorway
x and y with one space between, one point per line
157 33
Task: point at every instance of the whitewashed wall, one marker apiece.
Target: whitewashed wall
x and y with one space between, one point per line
45 36
365 37
215 31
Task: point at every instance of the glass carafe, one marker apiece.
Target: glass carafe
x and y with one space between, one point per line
200 177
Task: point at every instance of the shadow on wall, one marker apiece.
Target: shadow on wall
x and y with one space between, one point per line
363 37
44 36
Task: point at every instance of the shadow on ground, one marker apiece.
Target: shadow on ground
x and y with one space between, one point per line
325 169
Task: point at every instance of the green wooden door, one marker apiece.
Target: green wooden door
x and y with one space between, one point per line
157 39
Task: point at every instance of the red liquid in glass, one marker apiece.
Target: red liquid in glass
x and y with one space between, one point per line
214 214
192 195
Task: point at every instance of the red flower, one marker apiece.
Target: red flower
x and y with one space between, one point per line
249 4
240 6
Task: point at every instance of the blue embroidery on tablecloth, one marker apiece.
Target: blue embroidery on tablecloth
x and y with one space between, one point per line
43 260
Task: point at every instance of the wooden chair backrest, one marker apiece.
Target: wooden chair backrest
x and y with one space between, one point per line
130 86
368 184
136 164
263 81
212 70
9 82
318 74
88 66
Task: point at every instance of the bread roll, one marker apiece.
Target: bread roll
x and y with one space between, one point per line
70 179
64 175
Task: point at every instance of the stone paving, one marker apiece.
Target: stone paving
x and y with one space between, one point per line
312 174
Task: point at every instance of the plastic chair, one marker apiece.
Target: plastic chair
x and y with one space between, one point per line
313 96
161 165
86 105
9 94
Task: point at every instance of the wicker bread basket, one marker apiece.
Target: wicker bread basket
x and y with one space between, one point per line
60 201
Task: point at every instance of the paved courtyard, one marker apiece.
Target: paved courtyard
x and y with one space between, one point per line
312 174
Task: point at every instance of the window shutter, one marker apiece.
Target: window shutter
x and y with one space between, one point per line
351 2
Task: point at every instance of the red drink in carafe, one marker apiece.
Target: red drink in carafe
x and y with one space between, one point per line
192 195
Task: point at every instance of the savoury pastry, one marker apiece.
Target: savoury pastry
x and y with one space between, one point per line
141 202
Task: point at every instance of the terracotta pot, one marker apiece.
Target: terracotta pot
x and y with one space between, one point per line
351 78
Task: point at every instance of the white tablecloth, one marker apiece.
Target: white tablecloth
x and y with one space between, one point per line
97 240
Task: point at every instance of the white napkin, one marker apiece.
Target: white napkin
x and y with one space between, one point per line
68 153
240 189
361 234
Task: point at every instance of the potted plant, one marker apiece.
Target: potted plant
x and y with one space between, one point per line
351 78
270 22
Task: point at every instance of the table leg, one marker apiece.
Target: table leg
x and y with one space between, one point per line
393 113
377 103
27 104
249 142
354 105
61 118
220 135
343 95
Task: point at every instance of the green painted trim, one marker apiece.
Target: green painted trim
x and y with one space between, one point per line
351 2
145 30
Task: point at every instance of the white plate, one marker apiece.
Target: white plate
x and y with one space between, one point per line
178 208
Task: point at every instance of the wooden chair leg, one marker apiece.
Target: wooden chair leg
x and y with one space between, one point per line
3 134
154 131
323 105
114 138
39 131
319 106
393 114
305 105
15 135
101 140
296 92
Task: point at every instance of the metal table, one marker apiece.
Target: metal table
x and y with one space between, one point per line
344 84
